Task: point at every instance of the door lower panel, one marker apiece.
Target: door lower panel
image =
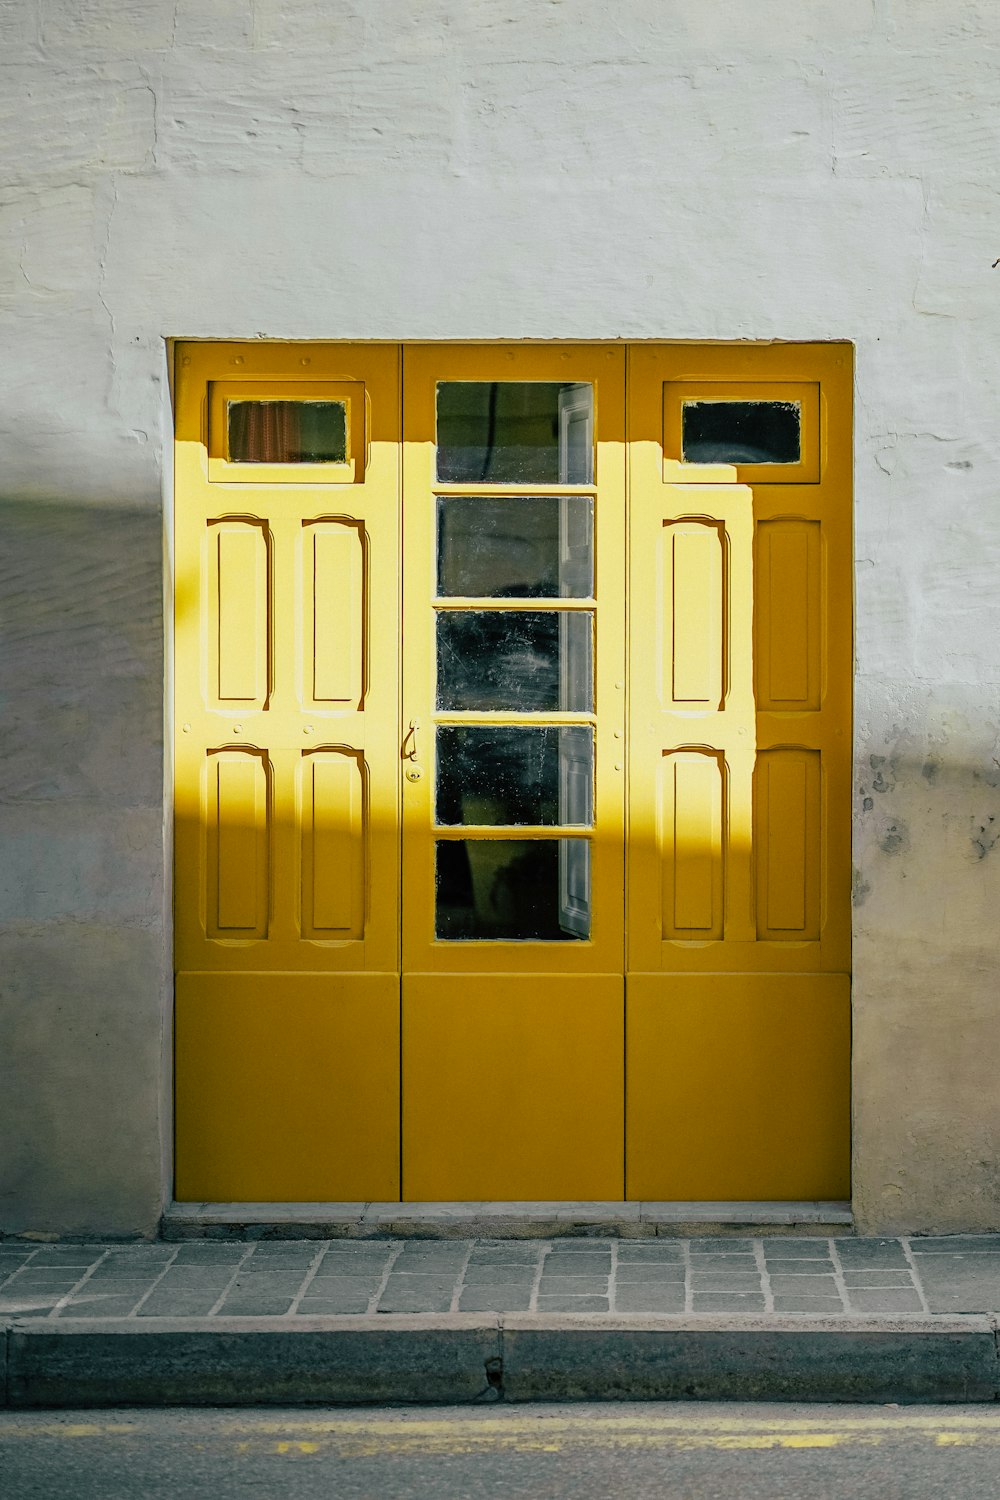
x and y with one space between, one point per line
512 1087
739 1086
287 1087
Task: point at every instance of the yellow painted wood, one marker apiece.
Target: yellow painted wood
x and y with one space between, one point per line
333 845
739 781
333 575
286 717
499 1030
290 784
238 843
512 1086
739 1086
424 366
286 649
788 844
692 583
786 663
693 803
788 594
238 599
287 1087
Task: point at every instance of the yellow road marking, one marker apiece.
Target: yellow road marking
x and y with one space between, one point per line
684 1427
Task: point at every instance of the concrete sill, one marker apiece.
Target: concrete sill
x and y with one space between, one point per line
637 1220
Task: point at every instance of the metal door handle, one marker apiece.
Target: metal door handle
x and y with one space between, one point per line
409 747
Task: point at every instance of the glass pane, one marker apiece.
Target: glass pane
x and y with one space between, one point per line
515 432
741 432
513 888
522 660
287 432
496 774
516 547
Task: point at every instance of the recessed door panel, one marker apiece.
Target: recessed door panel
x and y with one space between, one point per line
334 844
692 821
693 592
238 839
335 613
237 597
788 640
788 843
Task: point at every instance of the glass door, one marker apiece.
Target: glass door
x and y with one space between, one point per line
513 767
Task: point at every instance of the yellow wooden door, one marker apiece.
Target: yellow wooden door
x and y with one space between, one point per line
477 748
740 669
286 772
513 789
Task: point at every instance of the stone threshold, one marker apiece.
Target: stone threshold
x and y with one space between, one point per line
498 1220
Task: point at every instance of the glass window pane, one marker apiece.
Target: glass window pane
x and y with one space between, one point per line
287 432
515 432
495 775
527 661
741 432
536 889
516 546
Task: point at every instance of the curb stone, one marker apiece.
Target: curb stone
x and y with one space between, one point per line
456 1358
378 1360
765 1359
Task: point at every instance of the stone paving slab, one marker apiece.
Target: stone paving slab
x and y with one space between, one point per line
822 1277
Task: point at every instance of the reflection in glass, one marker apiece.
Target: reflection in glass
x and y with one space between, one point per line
499 774
516 546
741 432
515 432
527 661
513 888
287 432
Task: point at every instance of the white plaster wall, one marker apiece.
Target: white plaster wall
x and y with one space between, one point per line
793 169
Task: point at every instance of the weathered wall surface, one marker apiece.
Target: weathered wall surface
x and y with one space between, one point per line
480 169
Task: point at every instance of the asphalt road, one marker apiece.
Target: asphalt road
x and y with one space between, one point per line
672 1452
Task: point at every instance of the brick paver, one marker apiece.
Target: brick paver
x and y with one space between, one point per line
293 1278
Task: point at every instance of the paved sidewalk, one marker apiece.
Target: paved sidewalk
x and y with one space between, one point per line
779 1317
846 1277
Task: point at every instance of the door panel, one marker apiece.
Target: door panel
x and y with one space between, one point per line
286 772
738 1087
740 760
514 785
513 1086
287 1087
336 613
238 838
286 730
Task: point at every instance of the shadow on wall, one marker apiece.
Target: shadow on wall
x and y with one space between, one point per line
83 973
